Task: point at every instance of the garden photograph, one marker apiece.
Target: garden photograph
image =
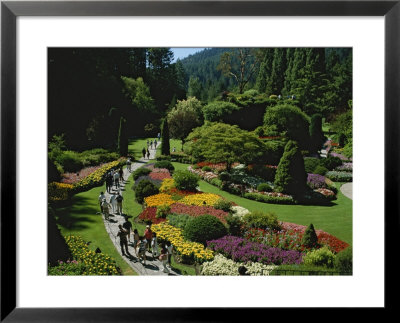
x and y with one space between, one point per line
200 161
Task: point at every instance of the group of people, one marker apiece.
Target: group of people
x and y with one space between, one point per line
141 244
146 151
114 178
114 205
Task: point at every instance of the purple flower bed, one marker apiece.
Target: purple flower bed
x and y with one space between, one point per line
346 167
316 181
242 250
342 157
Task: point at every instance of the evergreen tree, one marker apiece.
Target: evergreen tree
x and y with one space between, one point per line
165 147
310 238
276 81
316 134
265 70
122 138
291 177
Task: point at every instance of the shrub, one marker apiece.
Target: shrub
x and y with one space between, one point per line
162 211
185 180
310 163
264 187
223 205
144 189
234 224
68 268
258 219
344 260
163 157
224 176
164 164
340 176
179 220
320 170
206 169
331 162
141 172
270 199
216 182
310 239
290 176
203 228
70 161
259 131
320 257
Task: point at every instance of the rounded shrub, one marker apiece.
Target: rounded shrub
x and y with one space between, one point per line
310 163
331 162
206 169
264 187
203 228
234 224
165 164
185 180
144 189
320 170
223 205
258 219
224 176
141 172
310 238
344 260
322 257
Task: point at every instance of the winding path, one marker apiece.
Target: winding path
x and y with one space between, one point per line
153 266
347 190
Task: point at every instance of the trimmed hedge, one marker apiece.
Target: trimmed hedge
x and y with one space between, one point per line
269 199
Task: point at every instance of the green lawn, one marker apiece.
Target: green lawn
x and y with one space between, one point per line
172 143
136 145
336 219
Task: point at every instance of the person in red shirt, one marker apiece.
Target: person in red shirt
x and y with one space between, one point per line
148 234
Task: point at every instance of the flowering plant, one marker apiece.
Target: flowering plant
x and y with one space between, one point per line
158 199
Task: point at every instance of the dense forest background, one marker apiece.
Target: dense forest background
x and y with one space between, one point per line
90 90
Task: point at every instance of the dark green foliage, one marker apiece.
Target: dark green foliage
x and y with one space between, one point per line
223 205
322 257
165 147
206 169
234 224
219 111
53 174
302 270
310 163
289 121
331 162
290 176
203 228
185 180
310 238
162 211
321 170
165 164
264 187
269 199
224 176
261 220
179 220
142 171
342 139
344 260
316 134
216 182
144 189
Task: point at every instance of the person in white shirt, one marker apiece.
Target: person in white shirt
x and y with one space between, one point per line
116 179
101 198
113 202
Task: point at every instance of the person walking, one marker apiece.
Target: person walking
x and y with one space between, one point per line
144 152
159 136
106 209
128 164
127 225
151 144
119 199
109 182
148 234
170 247
142 250
164 259
116 180
113 203
154 246
121 175
148 154
122 234
101 198
136 240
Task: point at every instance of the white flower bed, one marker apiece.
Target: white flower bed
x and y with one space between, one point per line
222 266
239 211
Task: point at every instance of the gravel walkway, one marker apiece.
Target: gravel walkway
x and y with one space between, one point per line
153 266
347 190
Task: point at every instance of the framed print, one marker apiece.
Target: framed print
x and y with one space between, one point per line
49 49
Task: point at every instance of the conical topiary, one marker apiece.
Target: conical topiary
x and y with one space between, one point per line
310 238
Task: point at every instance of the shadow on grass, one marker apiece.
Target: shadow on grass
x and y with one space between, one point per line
79 215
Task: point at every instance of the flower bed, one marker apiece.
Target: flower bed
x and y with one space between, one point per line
201 199
60 191
95 263
215 166
222 266
72 178
150 214
242 250
194 210
316 181
158 200
345 167
189 251
160 174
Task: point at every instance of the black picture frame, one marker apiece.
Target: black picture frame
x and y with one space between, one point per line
10 10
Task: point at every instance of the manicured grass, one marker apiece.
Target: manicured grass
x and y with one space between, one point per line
336 219
136 145
81 218
172 143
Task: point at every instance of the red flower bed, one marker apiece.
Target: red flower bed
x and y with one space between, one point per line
194 211
150 214
159 176
215 166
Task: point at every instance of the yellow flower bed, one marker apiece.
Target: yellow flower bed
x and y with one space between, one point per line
95 263
187 249
167 184
201 199
158 200
59 191
97 176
